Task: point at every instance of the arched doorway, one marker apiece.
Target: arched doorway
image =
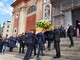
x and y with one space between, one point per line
31 19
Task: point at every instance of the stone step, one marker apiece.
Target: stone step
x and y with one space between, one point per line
67 39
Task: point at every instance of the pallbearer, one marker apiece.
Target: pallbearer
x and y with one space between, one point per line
21 40
57 41
50 38
40 42
70 32
30 44
12 43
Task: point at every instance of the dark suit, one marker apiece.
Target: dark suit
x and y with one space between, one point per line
70 32
12 43
57 42
21 40
41 42
35 44
50 38
30 44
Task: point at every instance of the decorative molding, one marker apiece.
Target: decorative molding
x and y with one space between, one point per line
47 11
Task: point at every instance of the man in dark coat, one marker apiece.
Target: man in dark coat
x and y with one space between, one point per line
12 43
70 32
30 44
40 42
50 39
57 41
62 32
35 43
21 40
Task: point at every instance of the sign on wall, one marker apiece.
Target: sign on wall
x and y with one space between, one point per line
47 12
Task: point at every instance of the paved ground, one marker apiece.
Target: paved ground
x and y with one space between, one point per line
66 52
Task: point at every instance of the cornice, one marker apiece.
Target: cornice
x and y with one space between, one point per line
18 1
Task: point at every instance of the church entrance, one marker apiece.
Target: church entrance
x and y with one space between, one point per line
30 23
76 19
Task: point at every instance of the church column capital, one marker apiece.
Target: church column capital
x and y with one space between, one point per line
22 8
13 13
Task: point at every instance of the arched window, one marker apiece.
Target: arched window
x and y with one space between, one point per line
32 9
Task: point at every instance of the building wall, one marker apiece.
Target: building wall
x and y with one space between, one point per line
68 18
68 8
22 23
5 28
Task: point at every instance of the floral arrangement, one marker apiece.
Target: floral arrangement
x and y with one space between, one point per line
43 24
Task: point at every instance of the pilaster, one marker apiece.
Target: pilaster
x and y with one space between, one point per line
22 20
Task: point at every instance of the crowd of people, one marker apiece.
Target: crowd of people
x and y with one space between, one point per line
35 42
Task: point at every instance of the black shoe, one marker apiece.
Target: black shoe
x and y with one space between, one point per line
35 54
56 57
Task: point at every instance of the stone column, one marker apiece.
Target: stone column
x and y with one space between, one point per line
12 24
22 20
39 10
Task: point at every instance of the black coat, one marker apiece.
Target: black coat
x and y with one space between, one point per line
21 39
29 38
46 35
70 31
56 35
50 35
40 38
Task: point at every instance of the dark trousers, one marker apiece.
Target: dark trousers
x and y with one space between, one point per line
29 52
71 40
11 49
1 46
21 48
49 45
57 48
34 49
40 49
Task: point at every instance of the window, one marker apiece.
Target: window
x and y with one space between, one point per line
32 9
6 35
7 30
15 31
8 21
8 26
17 14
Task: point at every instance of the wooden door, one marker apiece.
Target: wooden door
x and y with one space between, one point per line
30 23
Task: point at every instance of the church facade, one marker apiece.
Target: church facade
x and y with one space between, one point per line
26 13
